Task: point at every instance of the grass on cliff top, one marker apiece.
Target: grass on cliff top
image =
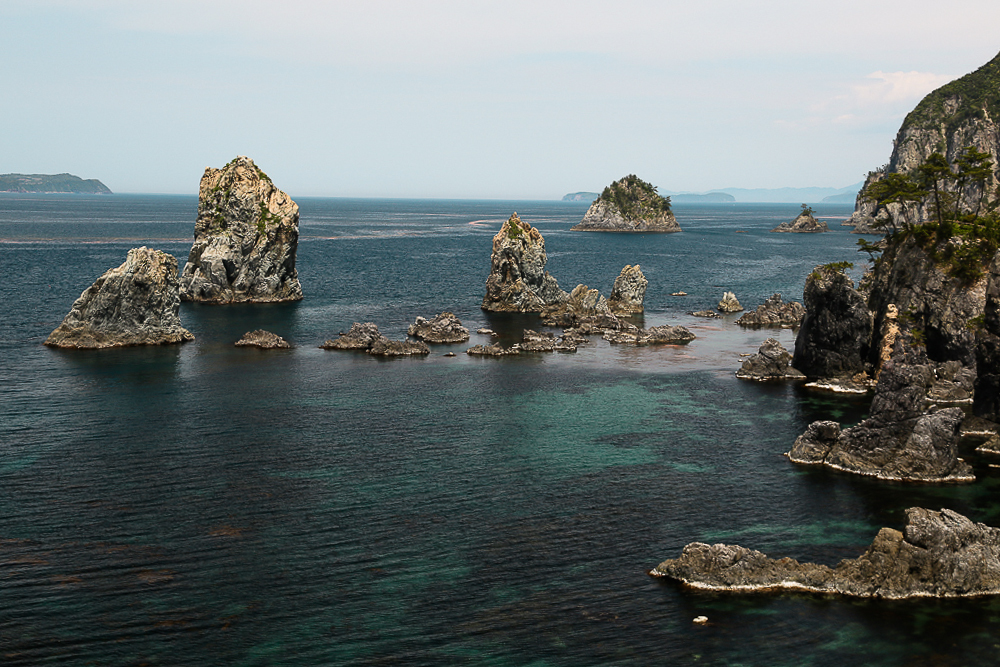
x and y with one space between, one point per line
635 198
977 91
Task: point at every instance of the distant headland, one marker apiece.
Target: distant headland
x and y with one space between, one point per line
48 183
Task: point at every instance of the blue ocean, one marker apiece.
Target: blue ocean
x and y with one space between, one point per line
211 505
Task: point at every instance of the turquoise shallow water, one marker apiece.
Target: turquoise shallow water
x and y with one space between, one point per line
207 505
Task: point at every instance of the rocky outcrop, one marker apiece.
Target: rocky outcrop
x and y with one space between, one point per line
903 439
492 350
367 338
443 328
629 205
518 281
729 303
987 396
662 335
134 304
546 341
628 292
774 313
772 362
264 340
836 330
962 113
805 223
938 554
245 239
582 304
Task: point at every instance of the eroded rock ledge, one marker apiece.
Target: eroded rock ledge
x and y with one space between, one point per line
265 340
443 328
365 337
938 554
136 303
774 312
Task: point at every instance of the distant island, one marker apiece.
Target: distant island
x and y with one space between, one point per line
581 196
48 183
710 197
845 195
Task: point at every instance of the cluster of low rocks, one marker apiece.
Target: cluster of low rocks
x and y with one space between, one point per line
774 312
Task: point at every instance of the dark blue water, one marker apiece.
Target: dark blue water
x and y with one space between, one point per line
208 505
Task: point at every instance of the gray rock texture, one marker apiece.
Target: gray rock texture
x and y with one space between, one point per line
245 239
628 292
367 338
938 554
264 340
518 281
836 330
805 223
902 439
582 304
662 335
443 328
729 303
134 304
772 362
987 397
492 350
629 205
774 313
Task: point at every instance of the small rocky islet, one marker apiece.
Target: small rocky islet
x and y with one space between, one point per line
629 204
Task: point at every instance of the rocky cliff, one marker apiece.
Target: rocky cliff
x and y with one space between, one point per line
134 304
987 393
245 239
938 554
629 205
835 335
518 281
965 112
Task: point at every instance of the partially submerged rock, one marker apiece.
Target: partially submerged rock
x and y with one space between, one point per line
629 205
518 281
662 335
628 292
710 314
774 313
534 341
265 340
443 328
492 350
772 362
245 239
729 303
938 554
804 223
134 304
366 337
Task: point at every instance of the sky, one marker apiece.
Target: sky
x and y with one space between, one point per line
474 99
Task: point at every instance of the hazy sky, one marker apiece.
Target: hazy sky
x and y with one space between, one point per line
469 99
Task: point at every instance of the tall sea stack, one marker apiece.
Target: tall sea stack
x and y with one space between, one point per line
245 239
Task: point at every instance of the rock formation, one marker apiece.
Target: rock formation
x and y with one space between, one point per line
245 239
805 223
534 341
492 350
902 439
582 303
444 328
729 303
628 292
987 396
629 205
264 340
836 330
959 114
938 554
518 281
134 304
366 337
772 362
774 313
662 335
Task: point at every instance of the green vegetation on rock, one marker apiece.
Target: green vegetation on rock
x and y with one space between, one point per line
969 98
635 198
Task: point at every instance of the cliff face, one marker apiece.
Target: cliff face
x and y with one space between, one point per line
965 112
134 304
518 281
629 205
836 329
245 239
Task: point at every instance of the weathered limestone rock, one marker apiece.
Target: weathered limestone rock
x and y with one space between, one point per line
662 335
518 281
265 340
492 350
534 341
987 397
805 223
628 292
134 304
938 554
772 362
582 303
774 313
710 314
444 328
836 329
902 439
245 239
729 303
366 337
629 205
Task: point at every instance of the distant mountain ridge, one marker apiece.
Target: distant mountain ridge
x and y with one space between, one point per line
52 183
